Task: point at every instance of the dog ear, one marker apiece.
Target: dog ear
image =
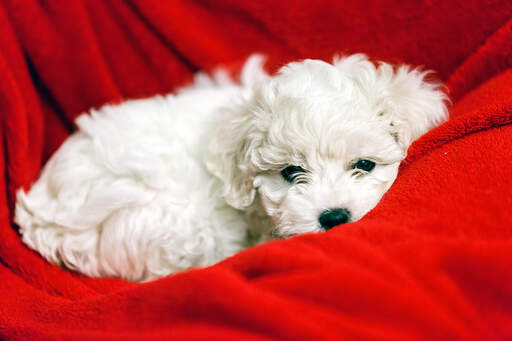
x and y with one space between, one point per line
408 103
235 139
411 104
229 154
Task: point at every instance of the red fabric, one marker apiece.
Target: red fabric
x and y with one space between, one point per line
433 261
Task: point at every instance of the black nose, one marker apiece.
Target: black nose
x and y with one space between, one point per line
330 218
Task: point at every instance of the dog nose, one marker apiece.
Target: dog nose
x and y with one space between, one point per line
330 218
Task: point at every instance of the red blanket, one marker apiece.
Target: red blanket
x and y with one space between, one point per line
433 261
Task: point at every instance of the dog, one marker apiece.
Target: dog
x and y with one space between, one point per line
153 186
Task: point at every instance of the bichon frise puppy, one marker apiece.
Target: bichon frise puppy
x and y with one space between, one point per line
149 187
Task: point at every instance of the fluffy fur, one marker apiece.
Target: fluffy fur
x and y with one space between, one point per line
154 186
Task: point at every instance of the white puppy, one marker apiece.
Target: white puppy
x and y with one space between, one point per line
153 186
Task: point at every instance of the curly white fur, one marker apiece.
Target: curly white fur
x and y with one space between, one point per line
153 186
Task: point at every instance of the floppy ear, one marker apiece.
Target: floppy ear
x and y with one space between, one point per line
235 139
230 153
412 105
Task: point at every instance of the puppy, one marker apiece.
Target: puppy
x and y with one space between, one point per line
149 187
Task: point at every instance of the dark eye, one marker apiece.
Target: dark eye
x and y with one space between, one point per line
290 173
365 165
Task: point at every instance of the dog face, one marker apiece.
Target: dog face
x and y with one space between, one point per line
319 143
324 178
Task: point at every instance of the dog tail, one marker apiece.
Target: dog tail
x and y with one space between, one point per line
253 71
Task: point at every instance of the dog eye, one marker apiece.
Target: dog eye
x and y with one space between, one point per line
365 165
291 173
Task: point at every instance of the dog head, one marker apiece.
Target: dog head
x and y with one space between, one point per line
320 143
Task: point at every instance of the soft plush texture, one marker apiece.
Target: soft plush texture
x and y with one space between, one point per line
432 261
